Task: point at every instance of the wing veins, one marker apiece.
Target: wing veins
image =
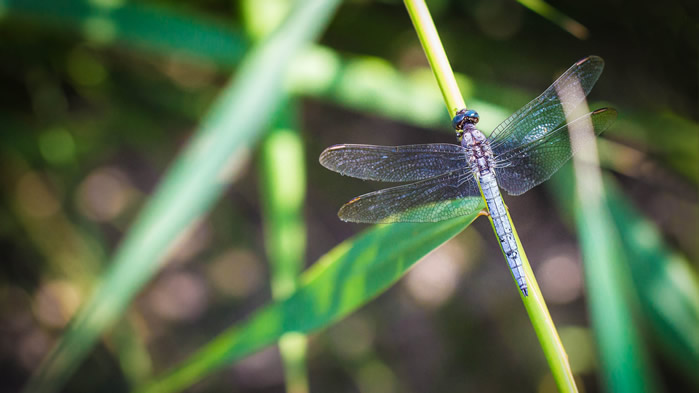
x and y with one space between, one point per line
394 163
443 197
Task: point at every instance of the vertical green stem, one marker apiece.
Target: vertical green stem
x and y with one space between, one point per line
544 327
283 179
432 45
534 303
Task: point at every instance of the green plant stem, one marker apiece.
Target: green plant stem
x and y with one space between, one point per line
534 303
437 57
283 179
544 327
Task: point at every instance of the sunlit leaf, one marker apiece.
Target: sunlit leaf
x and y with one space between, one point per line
657 284
343 280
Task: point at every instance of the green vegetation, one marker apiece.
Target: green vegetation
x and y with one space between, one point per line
165 220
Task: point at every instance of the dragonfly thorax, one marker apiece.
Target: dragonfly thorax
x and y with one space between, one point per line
478 151
479 154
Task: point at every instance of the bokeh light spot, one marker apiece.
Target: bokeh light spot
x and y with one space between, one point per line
85 69
56 302
370 83
108 4
32 347
189 73
376 377
179 296
260 370
57 146
560 277
236 273
100 30
263 16
104 194
579 344
34 197
353 337
313 71
434 280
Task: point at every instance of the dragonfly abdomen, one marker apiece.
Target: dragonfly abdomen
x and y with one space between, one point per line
503 229
480 158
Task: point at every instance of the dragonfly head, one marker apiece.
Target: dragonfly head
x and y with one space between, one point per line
463 117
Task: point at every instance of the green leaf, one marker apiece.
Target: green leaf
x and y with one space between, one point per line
347 277
664 281
189 189
609 263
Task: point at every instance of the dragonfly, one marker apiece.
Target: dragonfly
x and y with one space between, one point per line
445 180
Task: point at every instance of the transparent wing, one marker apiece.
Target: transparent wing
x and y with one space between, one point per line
520 169
394 163
544 113
440 198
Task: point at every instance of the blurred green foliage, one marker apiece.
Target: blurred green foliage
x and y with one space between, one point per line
100 96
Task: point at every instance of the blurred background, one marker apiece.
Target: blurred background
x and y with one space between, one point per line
99 97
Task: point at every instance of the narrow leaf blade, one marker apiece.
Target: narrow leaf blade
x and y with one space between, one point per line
344 279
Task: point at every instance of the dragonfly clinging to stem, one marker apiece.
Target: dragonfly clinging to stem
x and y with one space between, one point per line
446 179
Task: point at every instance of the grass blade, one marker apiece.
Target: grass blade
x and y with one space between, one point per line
563 21
624 361
664 282
663 289
189 189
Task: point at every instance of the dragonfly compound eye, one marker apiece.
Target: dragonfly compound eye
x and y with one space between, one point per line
464 116
471 116
457 121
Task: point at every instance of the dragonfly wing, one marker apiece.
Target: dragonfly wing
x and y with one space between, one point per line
520 169
440 198
394 163
544 113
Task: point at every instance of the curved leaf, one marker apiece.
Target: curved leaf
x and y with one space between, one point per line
663 282
347 277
